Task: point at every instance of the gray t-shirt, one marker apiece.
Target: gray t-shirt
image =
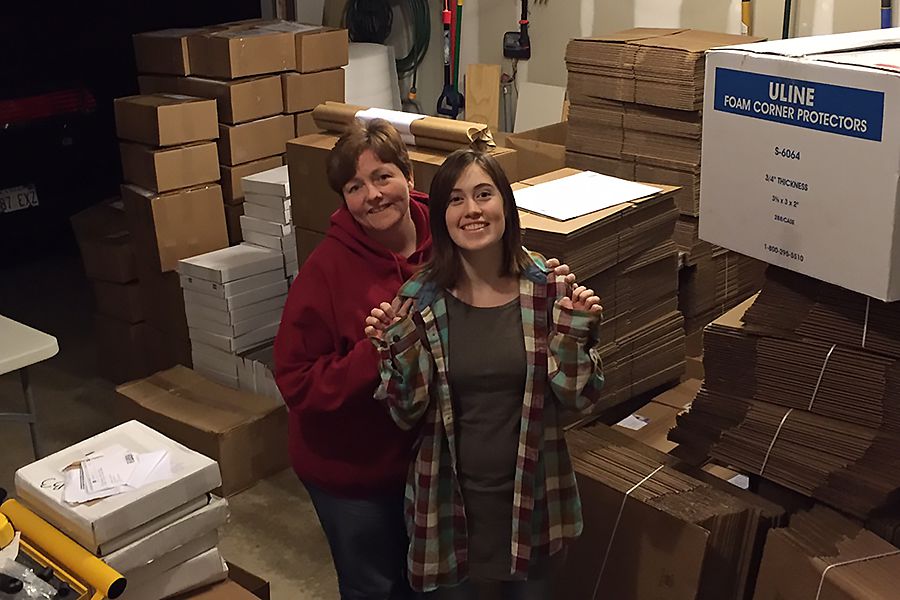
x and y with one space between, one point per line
487 367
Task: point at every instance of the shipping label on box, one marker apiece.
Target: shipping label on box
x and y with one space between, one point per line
800 158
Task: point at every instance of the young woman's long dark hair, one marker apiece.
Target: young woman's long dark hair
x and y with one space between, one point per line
444 267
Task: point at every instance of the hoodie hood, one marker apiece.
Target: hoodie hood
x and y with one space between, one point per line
345 229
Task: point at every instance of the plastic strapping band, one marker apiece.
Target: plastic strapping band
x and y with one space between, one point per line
765 461
850 562
866 322
612 536
821 374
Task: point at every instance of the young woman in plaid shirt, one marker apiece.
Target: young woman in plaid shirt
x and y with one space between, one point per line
480 350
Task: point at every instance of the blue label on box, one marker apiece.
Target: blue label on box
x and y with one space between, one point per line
824 107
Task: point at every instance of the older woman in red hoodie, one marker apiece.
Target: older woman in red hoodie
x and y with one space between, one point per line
344 446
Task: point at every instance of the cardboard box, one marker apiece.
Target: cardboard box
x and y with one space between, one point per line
227 590
163 51
242 51
167 169
306 242
266 227
257 586
270 292
230 264
168 348
236 344
121 349
107 252
313 201
233 214
119 300
811 116
254 140
197 524
239 101
166 119
305 91
233 288
175 225
232 190
540 150
245 433
160 84
321 48
273 182
203 570
153 571
305 123
39 485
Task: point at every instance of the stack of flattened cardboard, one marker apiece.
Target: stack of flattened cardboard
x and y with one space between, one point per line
827 556
777 405
173 205
625 254
657 528
712 281
635 99
266 77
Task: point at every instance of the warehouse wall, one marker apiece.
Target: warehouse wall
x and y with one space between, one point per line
555 22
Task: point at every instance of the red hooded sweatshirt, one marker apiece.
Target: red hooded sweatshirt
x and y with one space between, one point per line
342 439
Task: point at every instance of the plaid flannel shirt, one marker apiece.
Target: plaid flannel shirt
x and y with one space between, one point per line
563 369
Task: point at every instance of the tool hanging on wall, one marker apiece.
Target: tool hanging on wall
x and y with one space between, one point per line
746 17
451 101
887 14
517 44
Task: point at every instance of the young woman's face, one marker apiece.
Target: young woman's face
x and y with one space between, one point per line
378 194
475 216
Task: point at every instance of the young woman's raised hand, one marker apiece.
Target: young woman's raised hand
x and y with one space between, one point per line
385 315
582 299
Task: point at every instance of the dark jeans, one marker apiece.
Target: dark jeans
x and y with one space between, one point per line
368 544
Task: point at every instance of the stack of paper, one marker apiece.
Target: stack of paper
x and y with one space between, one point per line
615 236
267 219
827 556
816 417
137 500
657 528
635 100
233 301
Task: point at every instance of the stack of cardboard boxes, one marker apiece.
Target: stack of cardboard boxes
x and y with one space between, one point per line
267 221
233 301
635 112
172 203
107 251
266 77
624 253
157 526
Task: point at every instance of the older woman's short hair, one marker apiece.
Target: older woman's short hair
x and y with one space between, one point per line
377 135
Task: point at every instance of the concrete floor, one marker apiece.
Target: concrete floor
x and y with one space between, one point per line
273 531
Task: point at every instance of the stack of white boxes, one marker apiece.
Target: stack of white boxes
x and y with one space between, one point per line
233 301
256 372
162 536
267 215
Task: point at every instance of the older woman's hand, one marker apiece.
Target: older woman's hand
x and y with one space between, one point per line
385 315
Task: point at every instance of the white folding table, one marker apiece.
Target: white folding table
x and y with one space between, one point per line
20 347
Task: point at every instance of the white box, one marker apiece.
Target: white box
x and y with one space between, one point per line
236 315
276 215
158 543
266 227
232 288
274 202
206 569
229 264
150 572
273 290
238 328
40 486
273 242
274 182
238 344
213 358
801 151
